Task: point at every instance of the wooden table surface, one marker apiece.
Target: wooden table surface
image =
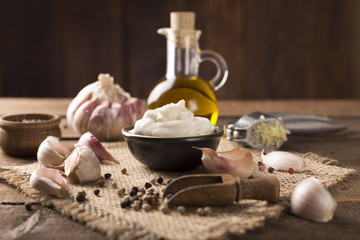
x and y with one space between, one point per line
343 146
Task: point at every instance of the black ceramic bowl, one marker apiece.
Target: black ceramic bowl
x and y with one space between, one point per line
170 154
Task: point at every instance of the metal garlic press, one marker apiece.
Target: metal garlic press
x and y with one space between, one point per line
244 130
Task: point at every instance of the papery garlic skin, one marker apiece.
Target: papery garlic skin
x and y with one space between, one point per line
82 166
280 160
92 109
310 200
52 153
84 95
89 140
49 181
101 121
237 162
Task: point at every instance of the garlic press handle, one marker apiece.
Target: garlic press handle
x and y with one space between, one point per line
235 132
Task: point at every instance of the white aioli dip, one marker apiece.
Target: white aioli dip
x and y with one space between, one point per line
172 120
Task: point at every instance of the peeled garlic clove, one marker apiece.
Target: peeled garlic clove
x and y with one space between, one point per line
100 121
83 114
89 140
82 166
83 96
49 181
283 161
310 200
237 162
52 153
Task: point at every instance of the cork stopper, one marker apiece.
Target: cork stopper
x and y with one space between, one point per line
182 20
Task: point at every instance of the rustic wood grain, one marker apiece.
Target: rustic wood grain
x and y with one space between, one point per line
227 108
343 146
275 49
51 225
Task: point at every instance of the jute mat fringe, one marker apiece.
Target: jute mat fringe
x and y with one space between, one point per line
104 213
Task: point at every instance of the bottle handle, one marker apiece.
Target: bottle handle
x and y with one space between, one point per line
222 69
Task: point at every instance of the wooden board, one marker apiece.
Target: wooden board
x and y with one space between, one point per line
343 146
275 49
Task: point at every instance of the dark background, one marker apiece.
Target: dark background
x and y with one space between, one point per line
275 49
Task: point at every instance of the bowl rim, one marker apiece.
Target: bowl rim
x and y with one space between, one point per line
219 132
52 120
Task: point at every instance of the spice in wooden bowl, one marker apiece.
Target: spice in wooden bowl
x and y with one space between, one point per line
21 134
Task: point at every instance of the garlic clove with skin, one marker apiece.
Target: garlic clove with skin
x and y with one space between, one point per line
49 181
52 153
100 121
282 161
92 109
82 166
120 120
83 96
237 162
310 200
126 114
135 109
83 114
89 140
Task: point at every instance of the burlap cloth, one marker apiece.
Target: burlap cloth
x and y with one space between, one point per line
104 213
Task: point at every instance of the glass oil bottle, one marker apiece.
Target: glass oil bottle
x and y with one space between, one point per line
182 80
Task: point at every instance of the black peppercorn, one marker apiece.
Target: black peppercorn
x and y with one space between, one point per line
81 196
160 180
107 175
148 185
125 204
96 192
133 193
28 206
270 170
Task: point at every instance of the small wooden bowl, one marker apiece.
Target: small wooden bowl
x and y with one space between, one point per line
22 134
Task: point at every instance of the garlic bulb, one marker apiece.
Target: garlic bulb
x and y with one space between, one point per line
237 162
283 161
49 181
89 140
104 108
52 153
82 166
310 200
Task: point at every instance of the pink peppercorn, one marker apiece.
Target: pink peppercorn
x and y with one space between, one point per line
290 170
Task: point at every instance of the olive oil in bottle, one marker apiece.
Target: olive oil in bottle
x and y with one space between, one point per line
199 96
181 80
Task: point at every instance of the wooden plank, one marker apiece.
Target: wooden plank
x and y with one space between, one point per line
227 108
342 146
343 226
277 49
292 45
50 225
332 108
